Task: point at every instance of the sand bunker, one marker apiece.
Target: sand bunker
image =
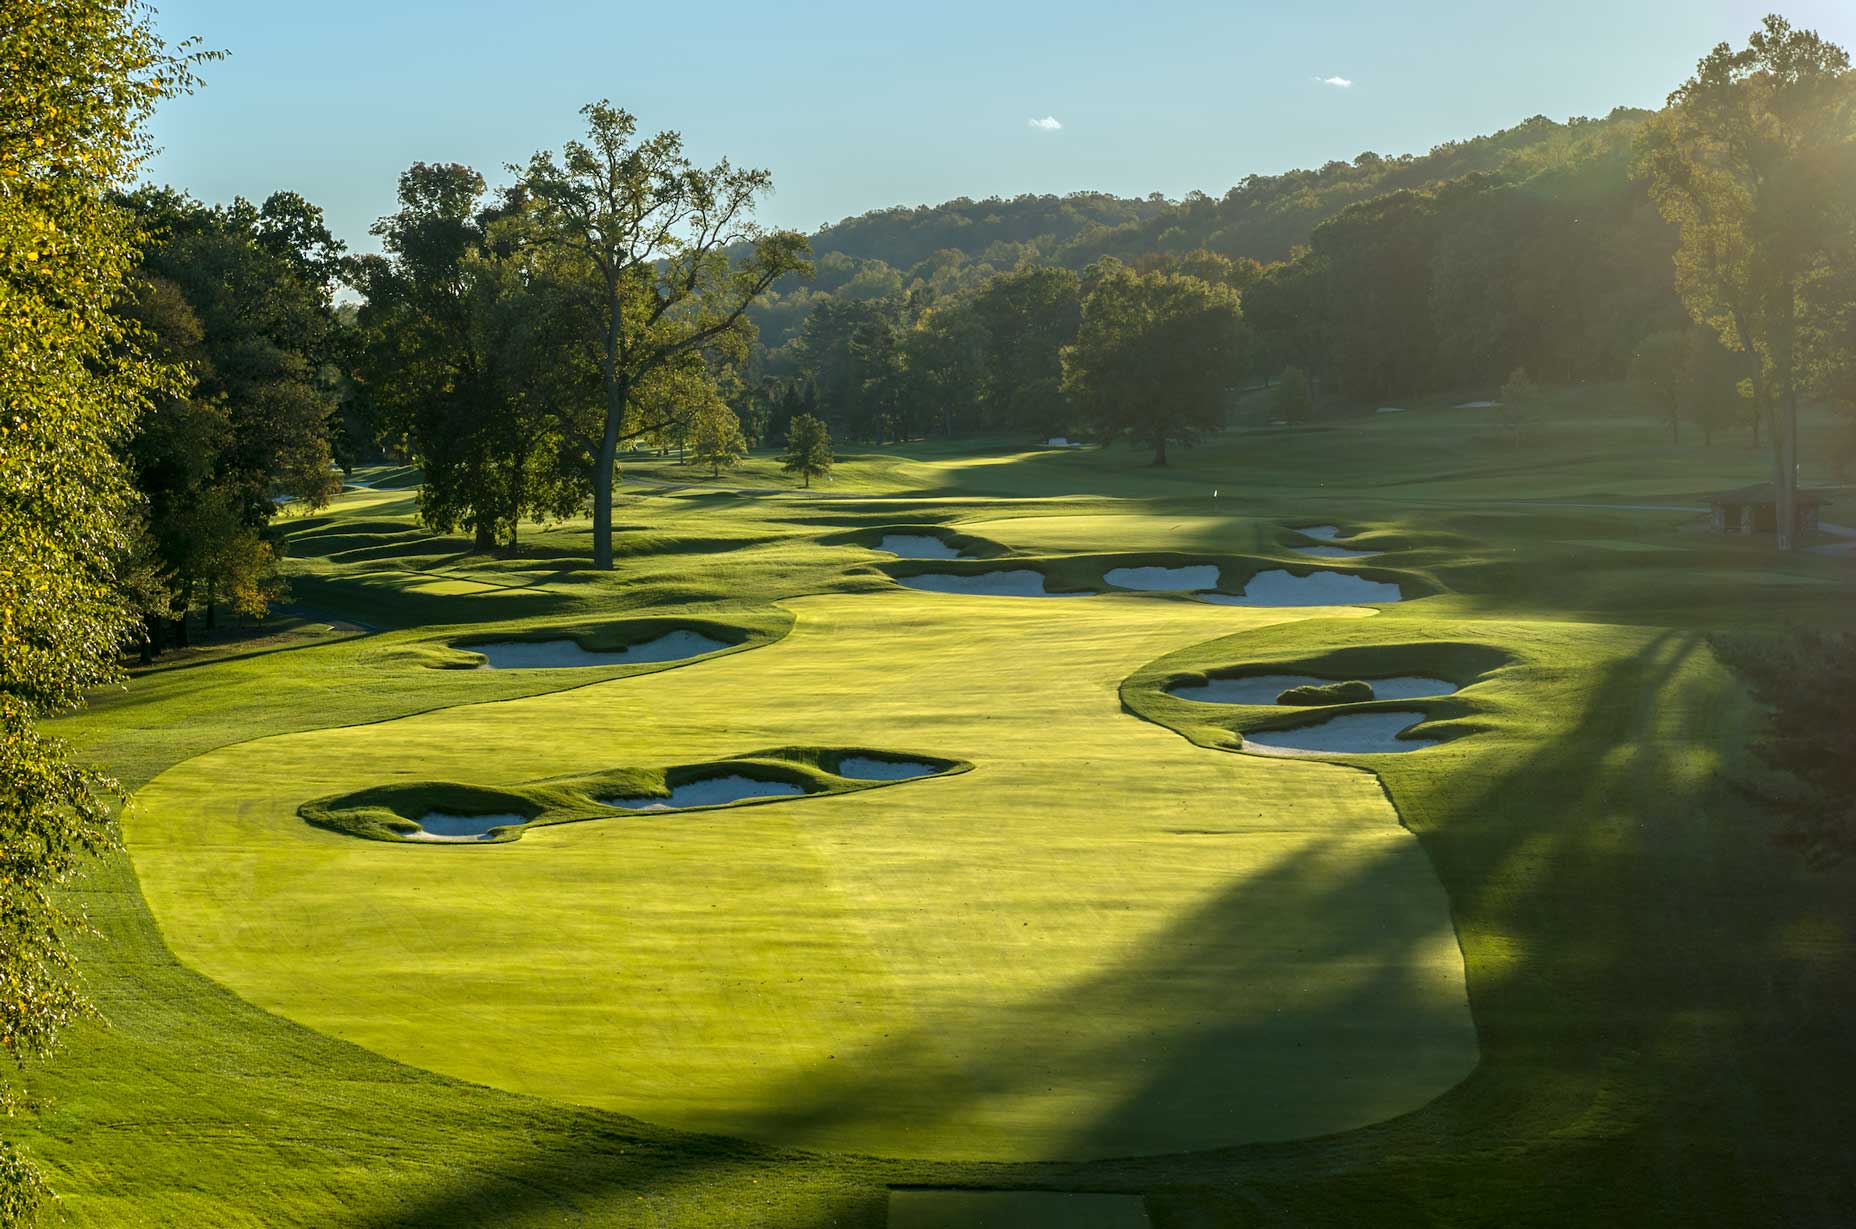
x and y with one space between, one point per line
1277 587
917 546
557 654
1252 689
1264 688
1390 409
709 792
1321 533
1019 582
1350 733
870 768
1332 552
444 827
1166 580
1477 405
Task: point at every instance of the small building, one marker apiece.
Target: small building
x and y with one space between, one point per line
1754 509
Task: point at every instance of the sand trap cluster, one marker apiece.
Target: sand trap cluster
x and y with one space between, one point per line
447 828
558 654
1349 733
1165 580
917 546
871 768
1276 587
1018 582
710 792
1264 688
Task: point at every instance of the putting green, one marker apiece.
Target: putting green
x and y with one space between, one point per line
1102 941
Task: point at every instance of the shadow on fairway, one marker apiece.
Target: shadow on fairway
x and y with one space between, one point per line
1655 1042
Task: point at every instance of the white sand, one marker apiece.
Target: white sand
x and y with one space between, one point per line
1390 409
1264 688
1477 405
1019 582
1277 587
869 768
441 826
1251 689
1165 580
556 654
1332 552
1350 733
917 546
1321 533
709 792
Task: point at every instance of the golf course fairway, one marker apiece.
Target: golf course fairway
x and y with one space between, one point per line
1102 941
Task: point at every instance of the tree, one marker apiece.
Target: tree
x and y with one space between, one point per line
944 358
1154 355
1029 316
1291 401
1519 395
808 448
1715 390
81 78
459 356
1751 160
1661 369
643 238
716 439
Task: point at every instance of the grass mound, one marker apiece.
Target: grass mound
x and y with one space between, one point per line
1353 691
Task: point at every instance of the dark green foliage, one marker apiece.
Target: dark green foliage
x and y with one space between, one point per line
1153 357
1353 691
808 449
1291 400
1807 680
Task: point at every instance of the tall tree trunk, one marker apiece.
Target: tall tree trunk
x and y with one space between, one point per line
1160 448
212 614
1785 439
486 537
609 441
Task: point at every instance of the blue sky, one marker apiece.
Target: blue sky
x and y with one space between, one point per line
859 106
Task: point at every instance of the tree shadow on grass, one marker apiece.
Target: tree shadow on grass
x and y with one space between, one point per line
1657 1044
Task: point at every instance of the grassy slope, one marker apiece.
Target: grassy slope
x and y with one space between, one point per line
1661 997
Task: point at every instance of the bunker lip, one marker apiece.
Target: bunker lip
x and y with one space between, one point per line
1164 579
1332 552
918 546
1321 533
1013 582
1277 587
711 791
1368 733
567 653
447 827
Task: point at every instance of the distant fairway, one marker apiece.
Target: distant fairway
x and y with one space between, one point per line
1102 941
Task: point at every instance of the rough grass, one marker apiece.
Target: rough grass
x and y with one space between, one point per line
1661 994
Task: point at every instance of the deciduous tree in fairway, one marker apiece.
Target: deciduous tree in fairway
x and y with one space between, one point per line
1154 356
1519 395
1751 160
715 437
1660 369
642 237
1291 400
80 79
808 448
458 354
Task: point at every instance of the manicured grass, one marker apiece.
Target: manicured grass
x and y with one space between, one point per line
1661 996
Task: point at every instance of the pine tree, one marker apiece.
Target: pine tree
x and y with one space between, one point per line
808 449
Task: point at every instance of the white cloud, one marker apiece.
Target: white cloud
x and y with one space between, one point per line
1049 123
1340 82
